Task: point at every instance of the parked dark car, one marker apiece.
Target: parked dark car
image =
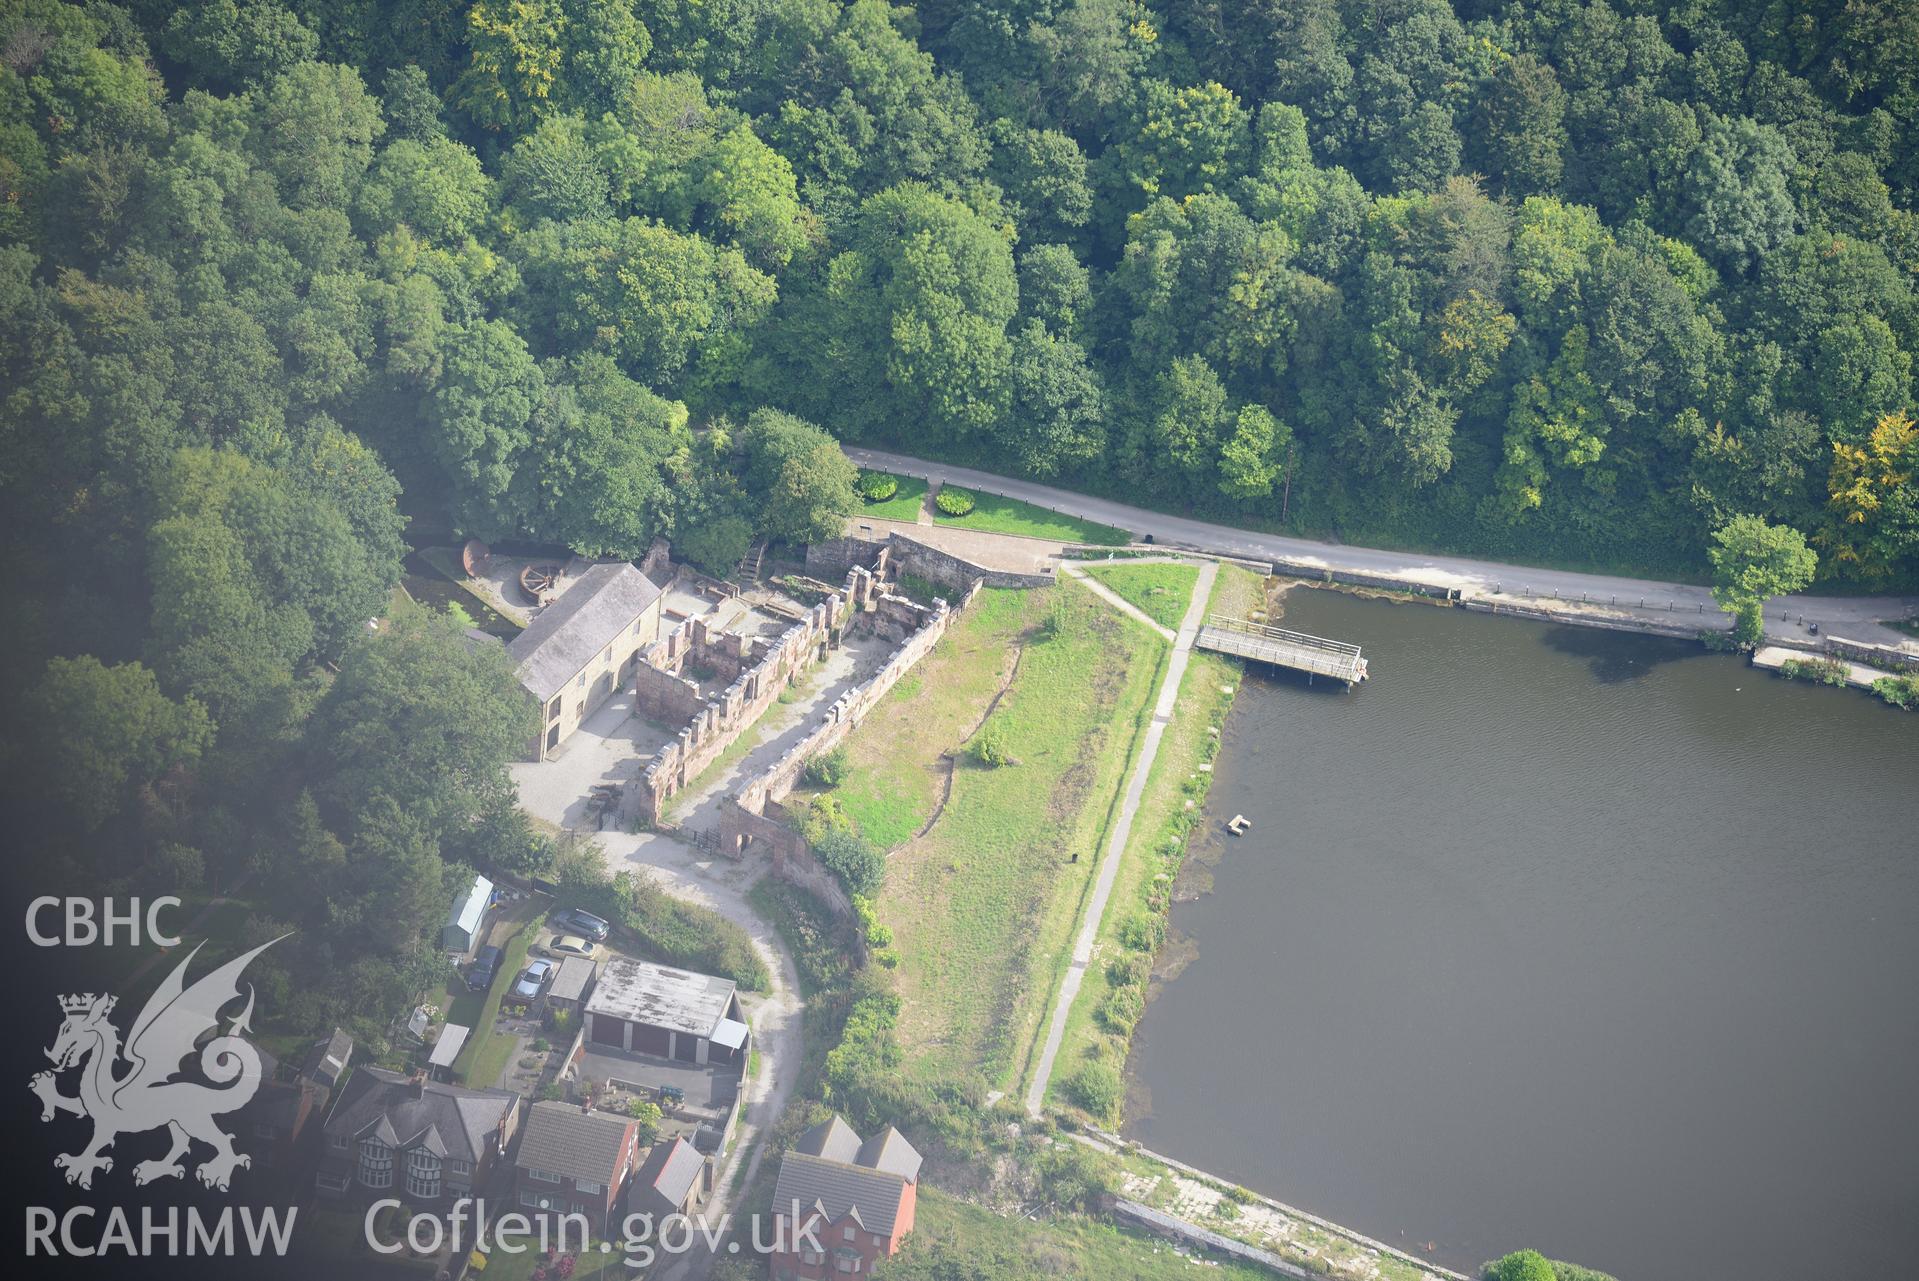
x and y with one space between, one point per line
485 963
573 920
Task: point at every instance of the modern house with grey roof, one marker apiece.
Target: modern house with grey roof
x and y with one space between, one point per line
842 1202
573 1160
583 646
425 1142
643 1008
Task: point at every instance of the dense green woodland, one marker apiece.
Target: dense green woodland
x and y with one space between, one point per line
1564 281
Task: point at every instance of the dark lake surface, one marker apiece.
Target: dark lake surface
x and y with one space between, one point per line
1548 937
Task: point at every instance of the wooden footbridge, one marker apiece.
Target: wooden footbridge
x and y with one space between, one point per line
1314 655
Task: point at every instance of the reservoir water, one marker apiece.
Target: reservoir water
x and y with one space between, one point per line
1598 944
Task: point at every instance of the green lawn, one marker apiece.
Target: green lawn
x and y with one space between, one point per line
983 905
1074 1248
1161 592
486 1052
903 505
1011 516
1154 850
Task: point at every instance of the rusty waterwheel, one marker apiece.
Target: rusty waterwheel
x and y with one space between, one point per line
538 581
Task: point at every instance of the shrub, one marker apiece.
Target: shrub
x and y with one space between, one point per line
1072 1174
1121 1010
1143 933
847 855
1096 1087
828 769
989 748
823 816
1723 642
1901 691
551 1092
1521 1265
1128 970
647 1113
1826 671
954 501
878 486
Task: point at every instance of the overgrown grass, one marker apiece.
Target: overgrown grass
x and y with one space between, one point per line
817 940
903 505
983 906
895 773
1161 592
655 925
1011 516
1156 847
1065 1249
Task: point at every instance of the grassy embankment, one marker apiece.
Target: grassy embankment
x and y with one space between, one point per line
1011 516
983 904
1065 1248
1161 592
1100 1023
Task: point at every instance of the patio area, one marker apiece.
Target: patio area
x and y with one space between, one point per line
610 746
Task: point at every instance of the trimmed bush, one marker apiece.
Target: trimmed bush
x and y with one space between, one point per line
878 486
1096 1087
954 501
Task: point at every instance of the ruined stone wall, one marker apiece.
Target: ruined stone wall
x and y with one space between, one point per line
835 556
752 817
763 670
955 573
660 693
848 710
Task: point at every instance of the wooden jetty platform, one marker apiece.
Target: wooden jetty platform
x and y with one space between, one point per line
1314 655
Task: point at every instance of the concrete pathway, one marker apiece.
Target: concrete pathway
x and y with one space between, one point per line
1858 675
1116 839
1788 618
